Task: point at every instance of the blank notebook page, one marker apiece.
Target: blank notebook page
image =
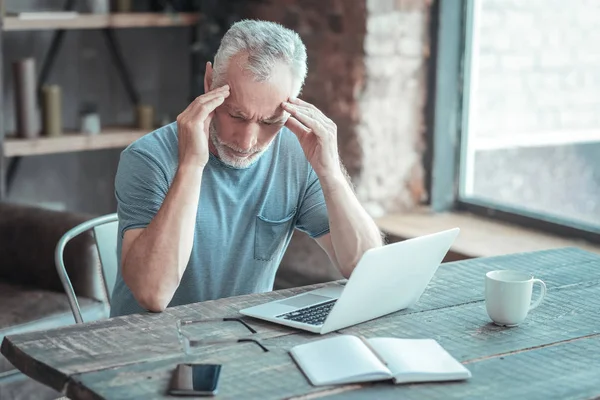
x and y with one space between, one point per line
338 359
423 356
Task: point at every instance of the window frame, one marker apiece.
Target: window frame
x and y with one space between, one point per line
452 42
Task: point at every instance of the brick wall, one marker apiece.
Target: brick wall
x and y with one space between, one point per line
366 71
538 66
392 126
334 33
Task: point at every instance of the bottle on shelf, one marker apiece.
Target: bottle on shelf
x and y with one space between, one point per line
145 117
28 124
52 110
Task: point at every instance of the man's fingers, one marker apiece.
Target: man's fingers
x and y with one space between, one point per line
307 108
302 116
195 108
221 91
201 112
206 108
297 127
202 99
301 102
310 111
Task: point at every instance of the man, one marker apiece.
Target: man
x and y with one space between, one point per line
207 205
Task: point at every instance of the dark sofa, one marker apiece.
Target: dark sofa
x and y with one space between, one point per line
31 294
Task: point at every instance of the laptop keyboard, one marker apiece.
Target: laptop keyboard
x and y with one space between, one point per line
313 315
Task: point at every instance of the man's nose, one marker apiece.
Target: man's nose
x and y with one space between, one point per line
248 137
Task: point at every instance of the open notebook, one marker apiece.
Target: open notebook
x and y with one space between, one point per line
351 359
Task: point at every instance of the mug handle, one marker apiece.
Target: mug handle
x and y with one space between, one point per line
542 293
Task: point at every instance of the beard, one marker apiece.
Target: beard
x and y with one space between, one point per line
225 151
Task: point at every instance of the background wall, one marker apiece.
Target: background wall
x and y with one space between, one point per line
159 63
367 67
392 125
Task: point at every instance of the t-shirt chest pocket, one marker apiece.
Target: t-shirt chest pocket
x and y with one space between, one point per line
269 234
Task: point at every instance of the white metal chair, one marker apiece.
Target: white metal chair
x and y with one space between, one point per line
105 229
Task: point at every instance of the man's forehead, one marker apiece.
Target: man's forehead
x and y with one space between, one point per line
233 106
257 98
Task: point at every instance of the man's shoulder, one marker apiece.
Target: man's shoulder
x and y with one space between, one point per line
159 145
289 144
289 159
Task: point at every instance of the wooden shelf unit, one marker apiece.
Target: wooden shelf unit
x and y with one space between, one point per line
99 21
69 142
116 137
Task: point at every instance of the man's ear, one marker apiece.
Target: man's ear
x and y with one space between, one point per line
208 76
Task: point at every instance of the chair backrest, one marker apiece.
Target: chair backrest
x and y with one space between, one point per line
106 243
105 230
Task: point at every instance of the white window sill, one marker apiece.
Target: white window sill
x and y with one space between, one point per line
479 236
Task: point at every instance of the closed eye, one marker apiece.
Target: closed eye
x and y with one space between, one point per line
271 122
237 117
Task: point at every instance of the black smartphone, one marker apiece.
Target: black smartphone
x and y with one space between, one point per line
195 380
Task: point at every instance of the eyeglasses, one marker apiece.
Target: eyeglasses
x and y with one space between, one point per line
195 333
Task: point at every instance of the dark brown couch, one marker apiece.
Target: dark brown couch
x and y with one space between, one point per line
31 294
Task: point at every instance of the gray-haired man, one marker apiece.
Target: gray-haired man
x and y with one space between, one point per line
208 205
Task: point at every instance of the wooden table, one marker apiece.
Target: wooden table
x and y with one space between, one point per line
555 353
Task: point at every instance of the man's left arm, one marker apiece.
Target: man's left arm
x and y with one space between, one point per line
352 230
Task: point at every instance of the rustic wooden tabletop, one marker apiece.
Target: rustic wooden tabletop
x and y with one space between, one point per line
553 354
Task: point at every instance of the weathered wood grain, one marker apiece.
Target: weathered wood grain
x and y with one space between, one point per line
52 356
248 372
563 371
463 330
133 356
463 281
467 332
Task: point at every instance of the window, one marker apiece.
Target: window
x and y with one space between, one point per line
529 109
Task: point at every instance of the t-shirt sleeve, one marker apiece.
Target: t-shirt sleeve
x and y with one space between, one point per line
140 188
312 216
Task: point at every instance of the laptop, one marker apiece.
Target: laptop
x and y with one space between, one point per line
385 280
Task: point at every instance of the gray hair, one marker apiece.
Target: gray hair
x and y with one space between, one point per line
266 44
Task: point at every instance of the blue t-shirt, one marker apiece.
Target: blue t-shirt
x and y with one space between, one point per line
245 217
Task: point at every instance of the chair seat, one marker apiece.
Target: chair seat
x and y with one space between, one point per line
24 309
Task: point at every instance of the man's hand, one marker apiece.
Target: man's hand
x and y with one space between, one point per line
192 126
352 230
317 135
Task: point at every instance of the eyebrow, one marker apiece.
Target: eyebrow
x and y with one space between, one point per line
272 119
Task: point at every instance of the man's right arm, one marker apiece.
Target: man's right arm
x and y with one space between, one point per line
154 258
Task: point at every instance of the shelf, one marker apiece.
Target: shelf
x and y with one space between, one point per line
96 21
70 142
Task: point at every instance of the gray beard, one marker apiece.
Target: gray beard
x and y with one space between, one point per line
229 160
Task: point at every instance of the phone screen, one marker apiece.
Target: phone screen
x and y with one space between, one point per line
195 379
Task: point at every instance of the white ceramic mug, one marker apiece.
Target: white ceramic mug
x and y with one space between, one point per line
508 296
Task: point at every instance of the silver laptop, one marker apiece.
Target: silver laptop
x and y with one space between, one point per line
386 279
